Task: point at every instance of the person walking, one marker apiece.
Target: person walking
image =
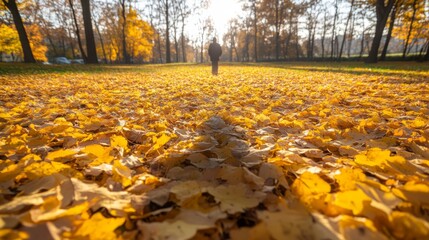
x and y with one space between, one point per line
215 51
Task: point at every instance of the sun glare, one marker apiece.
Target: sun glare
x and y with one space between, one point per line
221 11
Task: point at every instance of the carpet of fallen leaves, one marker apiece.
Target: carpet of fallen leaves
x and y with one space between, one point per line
171 152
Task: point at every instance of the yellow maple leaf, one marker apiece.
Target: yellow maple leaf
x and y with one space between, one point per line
41 169
348 177
380 161
13 234
406 226
121 174
119 141
99 227
62 155
98 154
309 184
354 200
159 142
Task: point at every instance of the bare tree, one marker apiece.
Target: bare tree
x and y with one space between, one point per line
383 9
393 15
350 36
413 18
334 25
206 29
155 21
125 54
185 12
345 29
325 29
77 31
97 22
164 9
89 33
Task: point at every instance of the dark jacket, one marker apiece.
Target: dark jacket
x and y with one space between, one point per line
214 52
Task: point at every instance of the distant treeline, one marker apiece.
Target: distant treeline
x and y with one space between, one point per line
125 31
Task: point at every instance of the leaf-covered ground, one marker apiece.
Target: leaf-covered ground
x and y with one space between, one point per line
290 151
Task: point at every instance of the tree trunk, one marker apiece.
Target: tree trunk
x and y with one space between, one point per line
277 36
333 29
63 45
159 47
345 30
309 42
325 28
91 49
383 12
176 47
19 25
312 40
124 35
297 41
167 33
231 46
202 47
389 33
48 35
425 44
101 42
427 53
79 40
362 42
413 17
255 27
183 40
72 47
352 29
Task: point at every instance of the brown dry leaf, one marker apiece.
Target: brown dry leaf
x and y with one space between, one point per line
179 230
356 228
184 226
414 192
117 203
21 202
294 224
269 171
257 232
43 183
51 210
235 198
187 189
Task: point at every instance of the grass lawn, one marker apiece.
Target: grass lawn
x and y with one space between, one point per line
269 150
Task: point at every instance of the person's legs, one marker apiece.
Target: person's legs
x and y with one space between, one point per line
215 66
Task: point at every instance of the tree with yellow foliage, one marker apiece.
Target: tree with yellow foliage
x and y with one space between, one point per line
413 24
36 42
12 6
139 37
10 42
